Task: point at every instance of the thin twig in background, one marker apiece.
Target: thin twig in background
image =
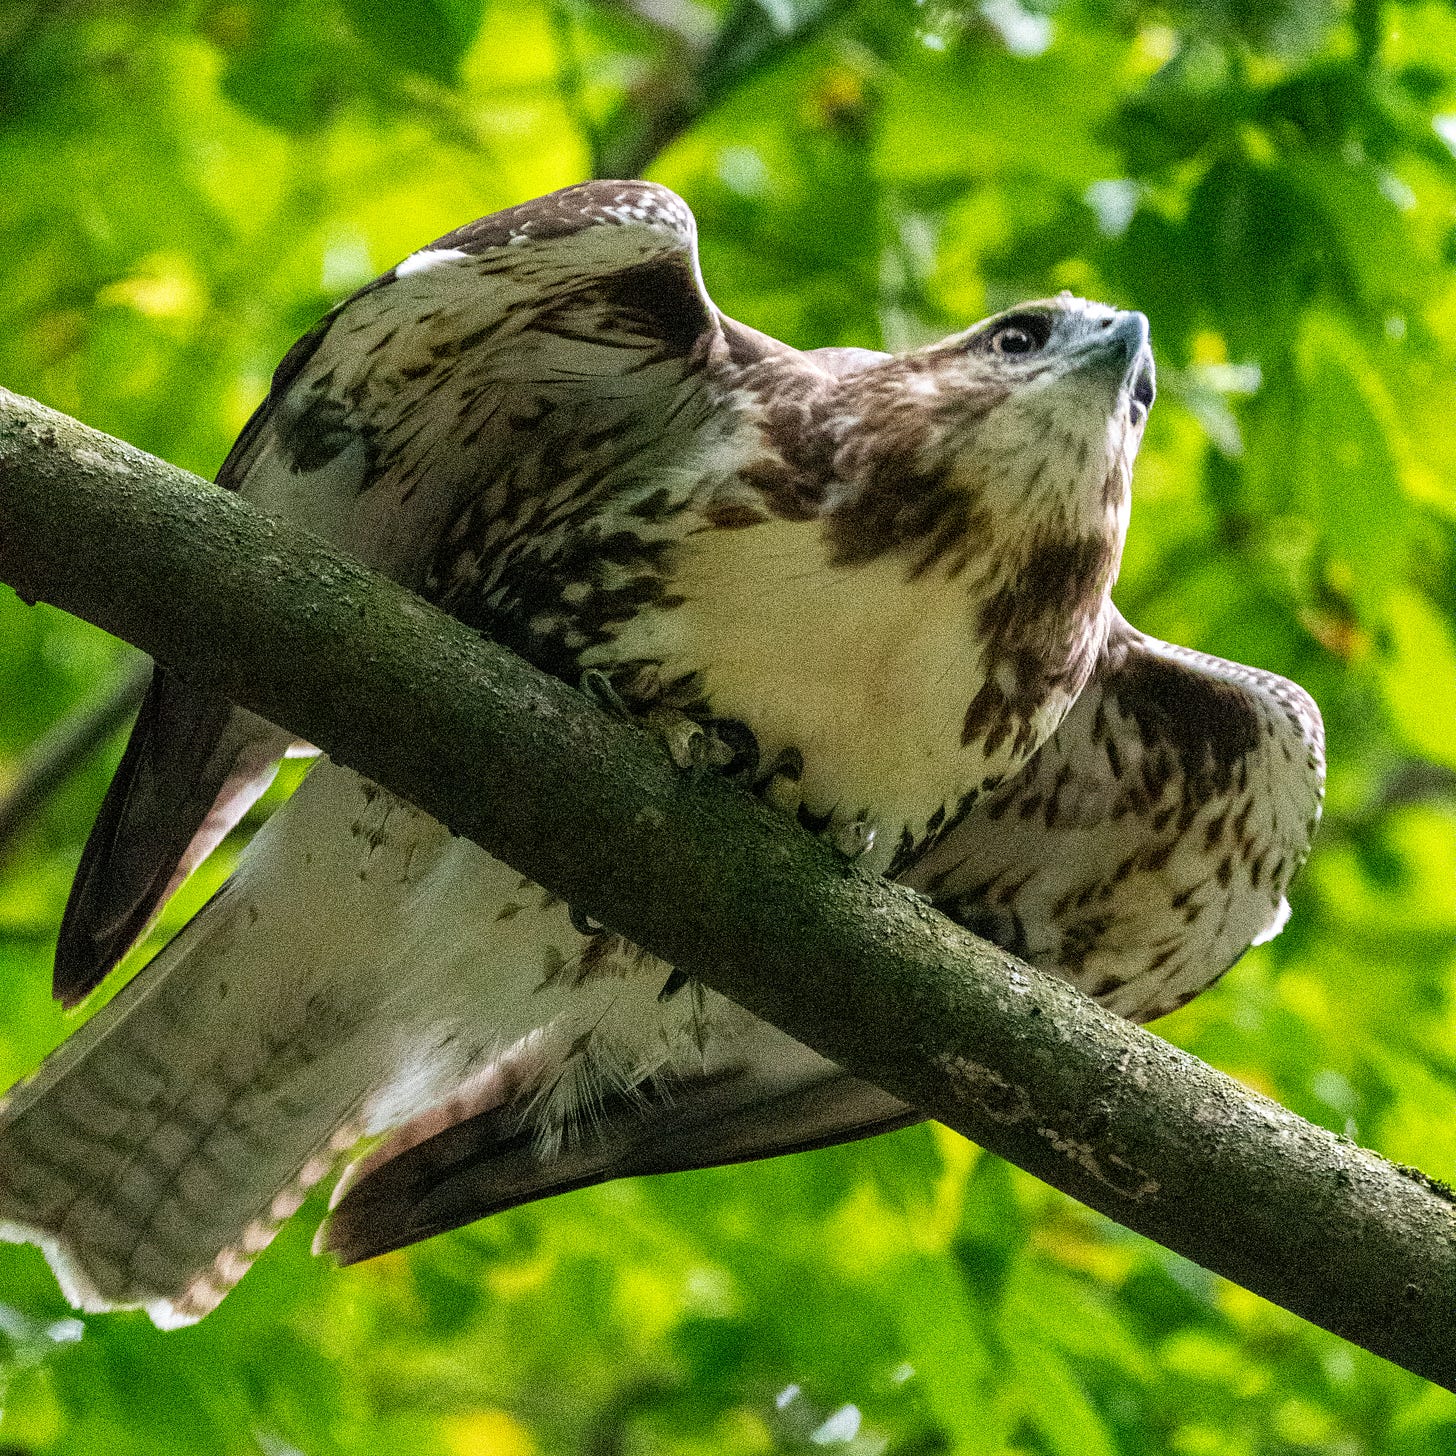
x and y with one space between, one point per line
1406 784
694 78
571 82
684 21
59 753
1414 781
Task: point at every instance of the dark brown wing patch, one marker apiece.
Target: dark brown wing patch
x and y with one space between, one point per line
1210 733
662 299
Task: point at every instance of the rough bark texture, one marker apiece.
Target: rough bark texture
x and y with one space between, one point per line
859 968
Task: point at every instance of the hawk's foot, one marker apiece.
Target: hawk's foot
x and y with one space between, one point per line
676 980
735 739
686 740
713 745
596 685
582 923
781 787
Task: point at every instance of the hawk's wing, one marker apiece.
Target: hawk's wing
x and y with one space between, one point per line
1153 838
757 1095
426 418
192 767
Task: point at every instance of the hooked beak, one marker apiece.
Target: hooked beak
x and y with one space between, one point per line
1129 333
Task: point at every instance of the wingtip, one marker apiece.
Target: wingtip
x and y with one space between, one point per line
376 1204
83 960
71 985
75 975
350 1233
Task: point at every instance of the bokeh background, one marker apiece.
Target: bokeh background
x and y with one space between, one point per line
184 188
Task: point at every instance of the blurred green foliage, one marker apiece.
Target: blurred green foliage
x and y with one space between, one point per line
184 189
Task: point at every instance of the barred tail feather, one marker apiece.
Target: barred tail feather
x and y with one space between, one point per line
154 1157
156 1153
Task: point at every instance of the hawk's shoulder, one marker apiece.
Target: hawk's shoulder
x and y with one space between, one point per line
635 211
571 290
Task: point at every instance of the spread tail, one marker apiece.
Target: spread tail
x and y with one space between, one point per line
157 1151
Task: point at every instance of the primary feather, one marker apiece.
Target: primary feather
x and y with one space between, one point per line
889 575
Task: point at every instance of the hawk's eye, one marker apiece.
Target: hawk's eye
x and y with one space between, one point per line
1023 333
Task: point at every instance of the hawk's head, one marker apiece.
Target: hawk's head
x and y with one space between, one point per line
1011 444
1059 391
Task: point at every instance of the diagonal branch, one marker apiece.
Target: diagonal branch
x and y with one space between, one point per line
861 969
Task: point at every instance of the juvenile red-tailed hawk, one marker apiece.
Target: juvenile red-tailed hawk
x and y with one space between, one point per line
881 581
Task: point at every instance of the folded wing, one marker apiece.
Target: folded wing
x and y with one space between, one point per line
755 1096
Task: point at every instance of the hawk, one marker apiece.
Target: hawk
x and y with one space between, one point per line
873 586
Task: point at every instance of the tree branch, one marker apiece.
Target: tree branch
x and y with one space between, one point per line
861 969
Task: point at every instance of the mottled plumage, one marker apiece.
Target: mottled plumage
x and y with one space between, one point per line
881 581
